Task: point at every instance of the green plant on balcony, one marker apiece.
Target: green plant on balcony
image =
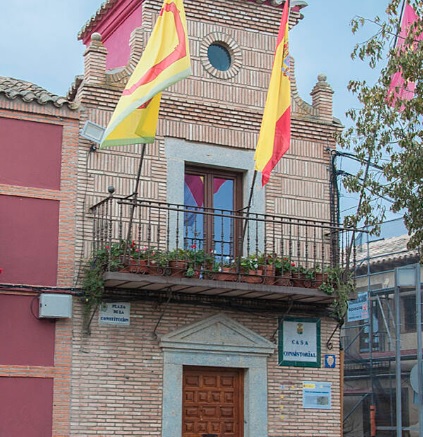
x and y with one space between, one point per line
177 254
284 265
338 283
251 262
107 258
309 274
298 270
143 253
200 258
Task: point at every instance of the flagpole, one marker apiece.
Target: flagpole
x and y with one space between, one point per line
400 22
274 117
250 199
134 203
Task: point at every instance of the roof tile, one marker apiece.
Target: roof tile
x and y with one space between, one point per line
29 92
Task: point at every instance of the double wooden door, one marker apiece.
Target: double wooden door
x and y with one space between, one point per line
212 402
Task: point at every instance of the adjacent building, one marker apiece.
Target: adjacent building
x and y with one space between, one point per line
380 341
38 168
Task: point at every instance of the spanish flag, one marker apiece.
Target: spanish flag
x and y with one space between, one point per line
165 60
275 131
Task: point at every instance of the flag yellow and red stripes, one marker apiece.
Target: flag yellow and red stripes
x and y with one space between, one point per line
165 60
275 132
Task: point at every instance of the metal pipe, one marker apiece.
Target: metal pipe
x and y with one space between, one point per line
419 348
398 363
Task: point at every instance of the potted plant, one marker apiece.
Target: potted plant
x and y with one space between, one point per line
225 269
283 271
338 283
318 276
177 261
268 268
250 268
309 276
200 259
250 263
298 276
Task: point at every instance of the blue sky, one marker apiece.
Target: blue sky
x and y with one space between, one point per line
38 43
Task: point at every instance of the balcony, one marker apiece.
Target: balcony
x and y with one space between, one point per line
226 238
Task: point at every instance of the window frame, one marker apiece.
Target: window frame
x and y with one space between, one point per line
209 173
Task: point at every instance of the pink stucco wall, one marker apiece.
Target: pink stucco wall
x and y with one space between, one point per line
118 42
30 153
25 340
26 407
29 229
115 29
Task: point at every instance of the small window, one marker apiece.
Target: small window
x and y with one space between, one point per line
409 305
219 57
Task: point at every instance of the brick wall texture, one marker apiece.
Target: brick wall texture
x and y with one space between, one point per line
117 381
109 383
117 372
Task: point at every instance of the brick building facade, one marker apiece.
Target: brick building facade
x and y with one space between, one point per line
147 377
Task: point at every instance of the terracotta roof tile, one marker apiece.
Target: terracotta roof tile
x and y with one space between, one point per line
29 92
101 11
386 250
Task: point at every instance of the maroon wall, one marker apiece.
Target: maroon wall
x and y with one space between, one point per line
26 407
30 153
25 340
28 240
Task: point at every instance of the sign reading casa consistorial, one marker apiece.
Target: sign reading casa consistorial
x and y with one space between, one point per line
299 342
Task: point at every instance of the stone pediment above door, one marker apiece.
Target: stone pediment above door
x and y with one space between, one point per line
218 333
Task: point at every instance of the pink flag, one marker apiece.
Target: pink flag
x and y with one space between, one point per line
398 87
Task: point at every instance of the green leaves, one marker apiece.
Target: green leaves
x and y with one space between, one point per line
388 132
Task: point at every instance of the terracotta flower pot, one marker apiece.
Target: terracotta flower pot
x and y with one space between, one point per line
268 272
253 277
135 266
298 279
154 269
319 278
284 279
226 274
178 268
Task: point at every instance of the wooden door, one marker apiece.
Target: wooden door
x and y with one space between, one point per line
212 402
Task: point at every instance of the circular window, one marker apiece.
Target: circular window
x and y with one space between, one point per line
219 57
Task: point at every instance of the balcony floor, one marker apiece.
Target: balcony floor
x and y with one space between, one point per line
207 287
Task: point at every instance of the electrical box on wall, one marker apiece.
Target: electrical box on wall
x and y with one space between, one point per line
55 306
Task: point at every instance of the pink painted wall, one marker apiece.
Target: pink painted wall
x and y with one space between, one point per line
30 153
116 28
29 230
24 339
117 43
26 407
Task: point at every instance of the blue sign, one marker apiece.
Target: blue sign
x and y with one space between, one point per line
358 309
330 361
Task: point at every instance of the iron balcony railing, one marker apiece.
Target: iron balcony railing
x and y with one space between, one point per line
227 236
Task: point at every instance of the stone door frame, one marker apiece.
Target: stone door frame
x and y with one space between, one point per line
217 341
